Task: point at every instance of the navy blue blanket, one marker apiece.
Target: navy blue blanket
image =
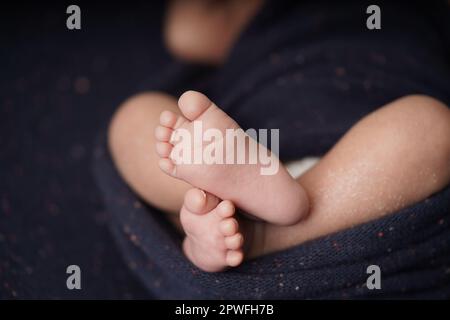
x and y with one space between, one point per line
311 70
412 248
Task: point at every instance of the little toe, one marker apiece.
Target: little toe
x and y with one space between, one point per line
234 242
163 134
192 104
166 165
226 209
234 258
163 149
228 227
200 202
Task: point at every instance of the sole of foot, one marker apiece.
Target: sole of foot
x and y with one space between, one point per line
275 198
213 241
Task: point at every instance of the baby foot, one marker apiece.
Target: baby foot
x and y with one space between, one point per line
275 198
213 241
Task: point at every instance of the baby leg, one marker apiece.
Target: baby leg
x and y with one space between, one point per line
392 158
132 145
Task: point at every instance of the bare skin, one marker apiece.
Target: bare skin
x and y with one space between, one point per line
358 180
392 158
204 31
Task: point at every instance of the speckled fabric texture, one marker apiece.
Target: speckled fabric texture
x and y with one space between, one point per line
412 248
56 88
311 69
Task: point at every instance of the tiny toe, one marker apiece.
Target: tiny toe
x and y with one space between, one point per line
163 134
167 166
163 149
234 257
226 209
229 227
199 201
192 104
168 119
234 242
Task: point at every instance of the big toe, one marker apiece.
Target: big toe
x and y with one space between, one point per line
192 104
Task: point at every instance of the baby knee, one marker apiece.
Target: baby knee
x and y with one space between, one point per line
428 117
427 125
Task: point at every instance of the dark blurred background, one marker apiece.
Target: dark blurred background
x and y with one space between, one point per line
57 89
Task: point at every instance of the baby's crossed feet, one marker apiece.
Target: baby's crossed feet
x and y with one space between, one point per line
275 198
213 241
